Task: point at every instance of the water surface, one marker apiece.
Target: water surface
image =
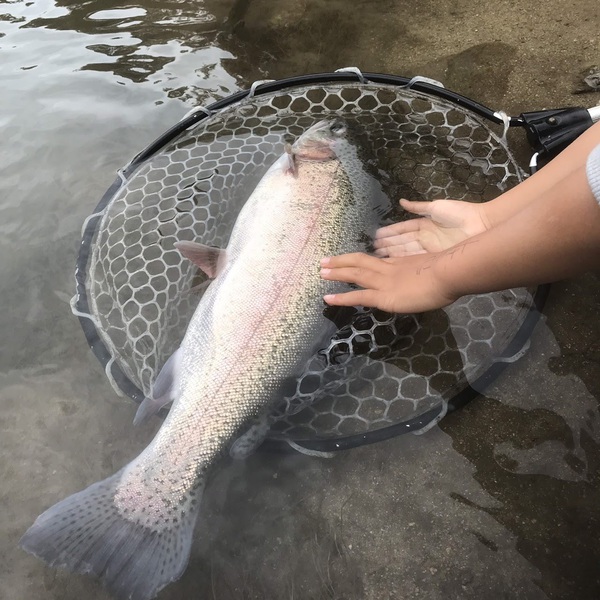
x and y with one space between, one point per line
501 501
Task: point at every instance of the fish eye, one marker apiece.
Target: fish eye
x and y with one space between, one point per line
337 127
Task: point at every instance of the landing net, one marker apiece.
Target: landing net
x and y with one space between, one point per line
382 374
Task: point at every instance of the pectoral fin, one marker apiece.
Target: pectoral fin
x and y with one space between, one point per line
290 167
149 407
207 258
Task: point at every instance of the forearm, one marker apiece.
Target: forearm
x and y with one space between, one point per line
516 199
556 235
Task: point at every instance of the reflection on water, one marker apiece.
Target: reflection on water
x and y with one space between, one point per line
167 42
140 41
501 501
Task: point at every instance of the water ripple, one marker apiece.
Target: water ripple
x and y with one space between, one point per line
132 37
158 42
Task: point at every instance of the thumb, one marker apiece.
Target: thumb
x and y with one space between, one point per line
418 207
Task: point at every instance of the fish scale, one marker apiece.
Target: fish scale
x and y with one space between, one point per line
256 326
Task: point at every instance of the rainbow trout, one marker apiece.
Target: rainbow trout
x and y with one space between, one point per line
257 324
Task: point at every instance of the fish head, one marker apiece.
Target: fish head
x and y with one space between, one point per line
321 141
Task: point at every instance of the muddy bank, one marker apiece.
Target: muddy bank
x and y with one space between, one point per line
511 56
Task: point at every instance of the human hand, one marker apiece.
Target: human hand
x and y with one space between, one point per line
401 285
445 223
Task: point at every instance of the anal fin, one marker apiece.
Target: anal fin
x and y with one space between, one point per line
249 442
163 390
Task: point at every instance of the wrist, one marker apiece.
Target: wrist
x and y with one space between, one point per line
451 270
488 214
442 280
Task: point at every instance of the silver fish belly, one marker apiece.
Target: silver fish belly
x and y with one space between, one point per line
255 327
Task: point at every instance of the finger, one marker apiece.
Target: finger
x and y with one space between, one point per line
354 259
402 245
365 278
398 228
397 240
400 251
355 298
417 207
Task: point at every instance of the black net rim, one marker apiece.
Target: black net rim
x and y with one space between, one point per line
81 307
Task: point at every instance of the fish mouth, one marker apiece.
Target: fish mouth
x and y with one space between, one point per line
319 141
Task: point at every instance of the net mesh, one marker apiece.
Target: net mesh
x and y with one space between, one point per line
381 368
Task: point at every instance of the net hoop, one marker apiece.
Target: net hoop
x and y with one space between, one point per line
123 382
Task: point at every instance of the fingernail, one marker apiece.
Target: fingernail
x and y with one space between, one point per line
325 272
325 261
328 298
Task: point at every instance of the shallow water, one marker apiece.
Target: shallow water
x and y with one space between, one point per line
501 500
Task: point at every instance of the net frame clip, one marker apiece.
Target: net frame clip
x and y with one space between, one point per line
594 112
256 85
196 110
361 78
422 79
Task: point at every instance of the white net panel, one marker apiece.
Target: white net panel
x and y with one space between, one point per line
380 369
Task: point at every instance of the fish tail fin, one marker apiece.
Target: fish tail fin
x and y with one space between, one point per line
88 533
